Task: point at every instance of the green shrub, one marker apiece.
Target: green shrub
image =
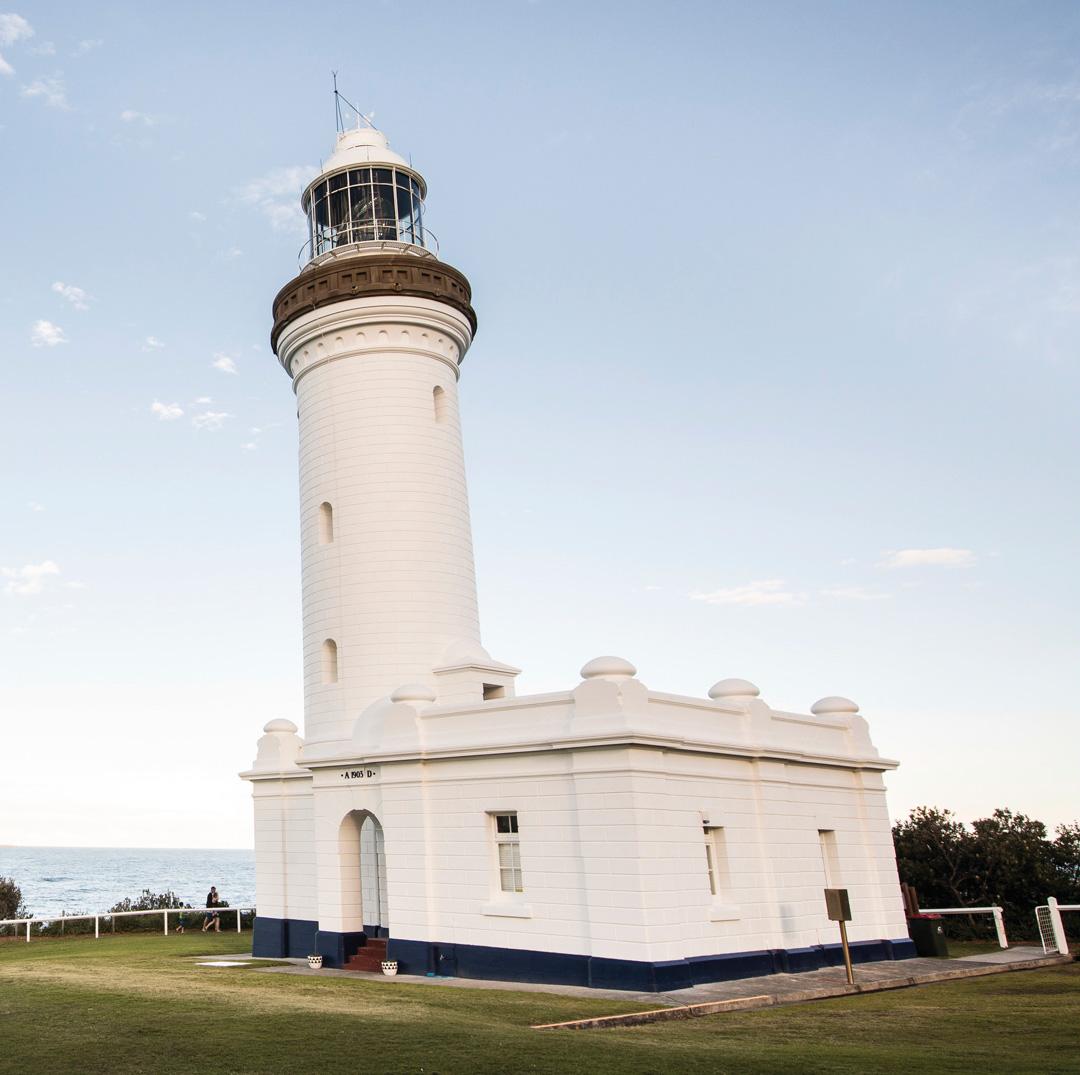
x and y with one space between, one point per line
145 901
11 904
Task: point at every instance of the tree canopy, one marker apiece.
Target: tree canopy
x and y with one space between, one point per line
1006 859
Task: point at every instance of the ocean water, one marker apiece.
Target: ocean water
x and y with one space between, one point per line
89 879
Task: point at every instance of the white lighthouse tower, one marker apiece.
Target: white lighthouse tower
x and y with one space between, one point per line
373 332
606 835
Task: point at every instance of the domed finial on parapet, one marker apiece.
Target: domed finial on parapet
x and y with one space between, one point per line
278 747
280 724
733 690
413 692
608 668
834 706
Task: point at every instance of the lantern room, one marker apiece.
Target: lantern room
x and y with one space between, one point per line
365 193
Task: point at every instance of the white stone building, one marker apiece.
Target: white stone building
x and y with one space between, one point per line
607 835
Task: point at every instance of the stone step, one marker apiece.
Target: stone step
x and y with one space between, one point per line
369 956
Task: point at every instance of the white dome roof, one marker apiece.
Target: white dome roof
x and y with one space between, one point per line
362 145
359 147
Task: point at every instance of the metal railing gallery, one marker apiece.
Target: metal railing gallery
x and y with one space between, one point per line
388 234
109 915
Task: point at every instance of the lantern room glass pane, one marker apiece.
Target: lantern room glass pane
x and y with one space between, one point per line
321 218
360 197
339 214
404 210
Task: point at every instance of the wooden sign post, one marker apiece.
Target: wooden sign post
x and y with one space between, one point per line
838 908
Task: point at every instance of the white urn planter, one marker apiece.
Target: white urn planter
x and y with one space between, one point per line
315 962
389 966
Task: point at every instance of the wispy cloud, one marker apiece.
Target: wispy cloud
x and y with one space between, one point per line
210 420
196 216
944 557
855 593
51 90
46 334
46 48
88 44
130 115
256 433
34 505
277 195
75 295
761 592
223 362
166 412
13 28
29 579
152 343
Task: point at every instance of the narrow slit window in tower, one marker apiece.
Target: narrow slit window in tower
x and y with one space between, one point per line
830 858
326 523
439 397
716 862
329 661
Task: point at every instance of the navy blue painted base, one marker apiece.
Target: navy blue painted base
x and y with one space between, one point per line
516 965
283 937
293 937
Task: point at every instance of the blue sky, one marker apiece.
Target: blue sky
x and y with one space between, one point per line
776 374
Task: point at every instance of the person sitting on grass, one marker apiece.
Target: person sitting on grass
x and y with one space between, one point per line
212 918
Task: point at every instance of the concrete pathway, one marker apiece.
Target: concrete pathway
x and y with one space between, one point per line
1005 955
739 993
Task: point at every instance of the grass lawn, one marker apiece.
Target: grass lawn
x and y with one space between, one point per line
139 1004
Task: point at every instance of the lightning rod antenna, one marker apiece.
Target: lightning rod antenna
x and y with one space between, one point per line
338 122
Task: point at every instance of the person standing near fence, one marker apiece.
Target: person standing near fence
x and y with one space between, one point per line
213 918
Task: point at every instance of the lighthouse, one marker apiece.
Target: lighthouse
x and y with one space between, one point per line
427 818
373 332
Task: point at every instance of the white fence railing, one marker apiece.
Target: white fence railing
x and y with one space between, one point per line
1051 930
109 915
999 918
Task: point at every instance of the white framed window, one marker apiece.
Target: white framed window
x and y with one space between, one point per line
508 851
830 858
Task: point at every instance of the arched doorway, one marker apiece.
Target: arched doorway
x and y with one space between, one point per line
373 878
362 857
